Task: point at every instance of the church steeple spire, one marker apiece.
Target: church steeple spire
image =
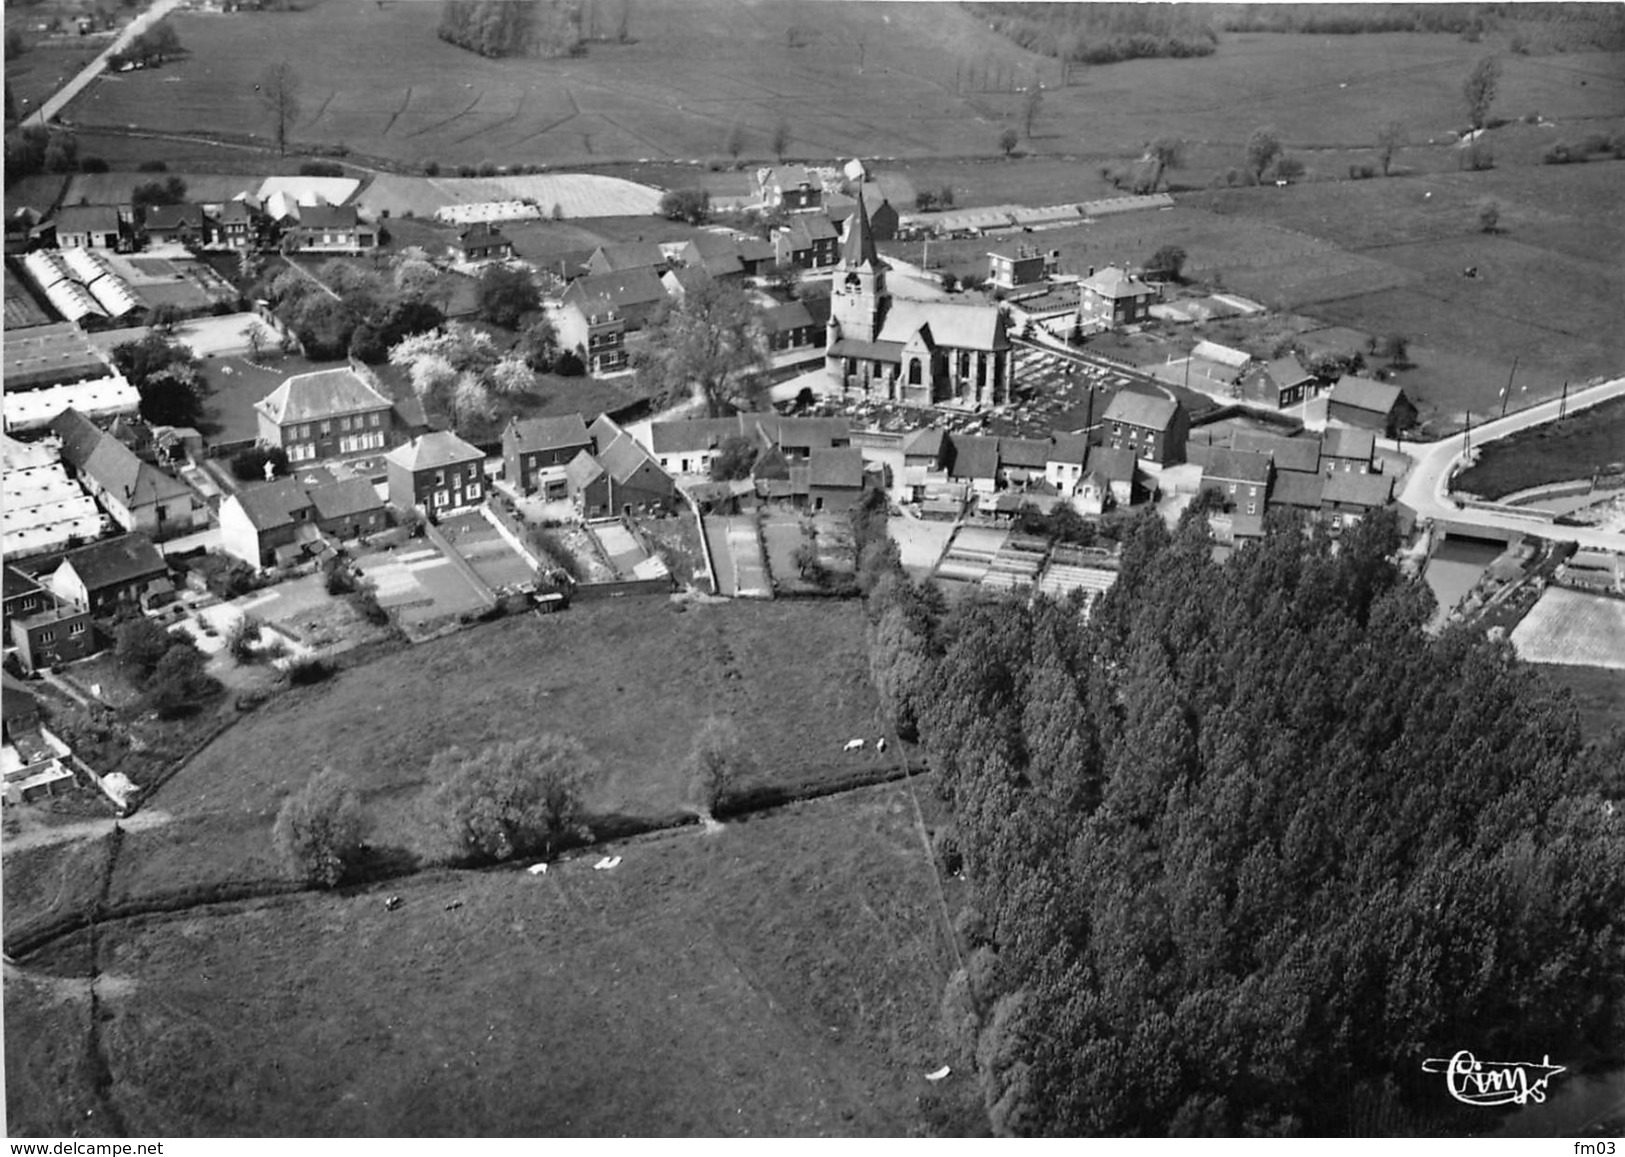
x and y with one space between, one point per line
858 248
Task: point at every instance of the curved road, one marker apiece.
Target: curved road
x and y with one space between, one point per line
59 100
1427 485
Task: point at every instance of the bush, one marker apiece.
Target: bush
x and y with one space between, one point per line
92 165
338 579
488 169
249 465
1559 153
467 171
179 683
308 671
140 644
152 167
1593 144
321 169
366 602
242 636
321 829
513 797
569 365
431 168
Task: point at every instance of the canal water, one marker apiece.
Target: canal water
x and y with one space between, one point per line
1455 567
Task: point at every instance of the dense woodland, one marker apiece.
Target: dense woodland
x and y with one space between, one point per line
513 27
1250 845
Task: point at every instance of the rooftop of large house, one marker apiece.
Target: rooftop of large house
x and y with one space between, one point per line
1365 394
1370 490
328 217
115 560
1114 465
975 456
87 219
1114 282
1237 466
623 457
344 498
1146 410
836 467
274 504
549 433
1069 449
111 464
433 451
1348 442
602 291
1287 453
161 217
320 395
1024 453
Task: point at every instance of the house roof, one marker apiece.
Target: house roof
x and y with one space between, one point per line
1113 465
685 279
623 457
18 584
1137 409
320 395
345 499
951 323
87 219
791 177
1296 488
582 471
1114 283
549 433
1287 453
1365 394
836 467
599 292
1212 351
808 228
328 217
481 233
624 255
975 456
174 217
926 443
1348 442
235 212
1237 466
272 505
1024 453
1070 449
1284 372
111 464
719 256
115 561
433 451
1366 490
783 318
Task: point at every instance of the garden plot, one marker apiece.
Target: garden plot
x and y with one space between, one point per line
1573 628
499 565
737 553
626 555
421 586
783 535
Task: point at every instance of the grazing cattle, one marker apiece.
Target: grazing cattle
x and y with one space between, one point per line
853 745
880 745
1470 271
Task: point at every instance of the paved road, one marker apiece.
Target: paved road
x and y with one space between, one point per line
95 68
1427 487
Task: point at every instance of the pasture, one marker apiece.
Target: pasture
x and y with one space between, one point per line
1574 448
630 678
1573 628
780 976
1599 695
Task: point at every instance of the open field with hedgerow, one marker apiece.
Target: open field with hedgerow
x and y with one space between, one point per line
630 679
779 976
1577 447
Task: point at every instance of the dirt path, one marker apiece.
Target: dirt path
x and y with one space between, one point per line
36 835
71 987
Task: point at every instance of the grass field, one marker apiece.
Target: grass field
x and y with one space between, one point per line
629 678
1599 694
779 977
1555 452
1573 628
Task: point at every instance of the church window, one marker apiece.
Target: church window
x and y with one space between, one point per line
914 371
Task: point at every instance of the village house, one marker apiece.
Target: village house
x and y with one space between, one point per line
1155 428
926 449
618 477
44 629
438 473
790 187
106 573
238 225
1280 383
717 255
792 328
1111 474
183 224
1025 265
1064 462
331 229
1347 498
835 480
1023 461
88 227
883 217
976 462
915 352
275 524
1347 450
481 241
1357 401
536 451
136 494
325 414
807 242
1114 298
624 256
634 295
599 339
684 280
1241 478
688 447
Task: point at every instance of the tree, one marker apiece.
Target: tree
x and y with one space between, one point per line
735 142
278 90
514 797
1479 90
1167 263
139 644
511 377
1489 216
691 205
1390 139
781 138
708 347
1165 153
717 761
321 830
1288 168
734 459
173 396
1008 140
170 191
1263 147
179 682
1031 104
505 295
164 317
470 402
539 344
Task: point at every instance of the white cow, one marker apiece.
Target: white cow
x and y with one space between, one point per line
880 745
853 745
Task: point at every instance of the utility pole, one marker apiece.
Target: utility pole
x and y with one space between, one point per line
1506 394
1467 435
1563 406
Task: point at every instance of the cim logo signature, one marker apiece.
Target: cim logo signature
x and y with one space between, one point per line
1475 1082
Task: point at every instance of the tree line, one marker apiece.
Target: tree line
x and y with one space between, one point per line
1248 845
513 27
1102 33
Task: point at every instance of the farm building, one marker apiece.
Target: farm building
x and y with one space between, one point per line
684 280
180 224
792 327
437 472
790 187
687 447
835 480
332 229
1348 450
106 573
51 355
626 255
89 226
536 451
1370 405
717 256
324 414
1155 428
1280 383
137 494
917 352
1349 497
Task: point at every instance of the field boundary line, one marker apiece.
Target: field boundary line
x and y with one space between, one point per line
930 857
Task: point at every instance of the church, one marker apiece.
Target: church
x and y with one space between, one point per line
916 353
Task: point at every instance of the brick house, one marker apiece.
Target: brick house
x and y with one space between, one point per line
1281 383
835 480
1025 266
536 451
620 478
183 224
790 187
1113 298
275 524
331 229
325 414
1346 450
792 327
438 472
634 295
1241 478
1155 428
238 225
717 255
883 217
976 461
599 338
1357 401
808 242
136 494
1064 462
88 227
44 629
481 241
625 256
1347 498
106 573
